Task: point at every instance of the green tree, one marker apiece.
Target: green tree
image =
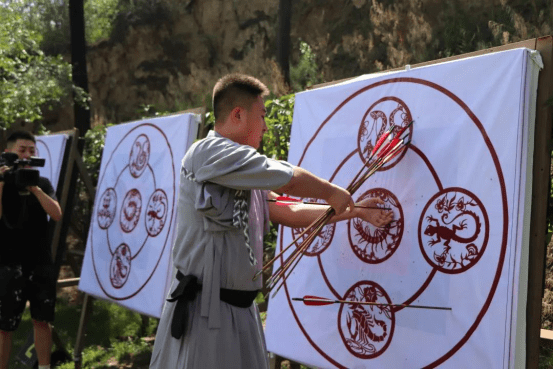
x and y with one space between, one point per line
99 18
306 72
30 81
50 19
276 141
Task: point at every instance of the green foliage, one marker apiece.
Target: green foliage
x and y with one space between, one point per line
209 120
276 144
97 357
179 104
269 242
306 73
461 34
93 149
546 358
94 140
113 333
29 80
139 13
116 322
276 141
108 323
99 18
50 19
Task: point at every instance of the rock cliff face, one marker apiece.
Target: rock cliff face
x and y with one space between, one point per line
172 56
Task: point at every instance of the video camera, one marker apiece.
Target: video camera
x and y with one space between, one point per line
20 177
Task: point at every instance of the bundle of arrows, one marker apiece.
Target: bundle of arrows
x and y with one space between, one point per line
390 144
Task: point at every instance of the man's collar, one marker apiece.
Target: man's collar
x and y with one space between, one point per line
212 133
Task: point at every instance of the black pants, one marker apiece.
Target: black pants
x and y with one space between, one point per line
19 285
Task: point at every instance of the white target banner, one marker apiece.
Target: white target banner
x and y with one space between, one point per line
127 258
458 236
52 149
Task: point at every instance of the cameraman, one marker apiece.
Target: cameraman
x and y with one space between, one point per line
27 270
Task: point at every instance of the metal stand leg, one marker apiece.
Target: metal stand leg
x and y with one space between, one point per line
79 344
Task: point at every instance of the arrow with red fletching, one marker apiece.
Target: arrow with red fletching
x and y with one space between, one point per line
392 142
382 138
321 301
403 129
388 146
285 201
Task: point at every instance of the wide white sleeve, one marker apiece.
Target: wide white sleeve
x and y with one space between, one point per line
224 162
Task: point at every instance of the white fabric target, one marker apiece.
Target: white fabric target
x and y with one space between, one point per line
52 149
459 238
127 257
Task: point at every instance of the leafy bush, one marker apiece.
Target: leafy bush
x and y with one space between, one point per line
50 19
276 141
95 139
113 334
306 73
99 17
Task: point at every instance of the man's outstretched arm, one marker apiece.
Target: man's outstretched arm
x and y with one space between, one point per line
302 215
306 184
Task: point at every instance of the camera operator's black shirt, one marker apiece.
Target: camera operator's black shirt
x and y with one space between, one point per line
24 237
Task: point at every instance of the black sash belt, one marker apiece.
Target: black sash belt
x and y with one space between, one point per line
186 292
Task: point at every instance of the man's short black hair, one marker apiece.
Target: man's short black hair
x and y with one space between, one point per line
20 135
235 90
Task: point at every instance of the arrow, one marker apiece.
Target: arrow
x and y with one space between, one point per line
286 248
321 301
306 229
386 148
285 200
381 140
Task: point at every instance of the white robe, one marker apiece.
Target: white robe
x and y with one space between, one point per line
211 247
